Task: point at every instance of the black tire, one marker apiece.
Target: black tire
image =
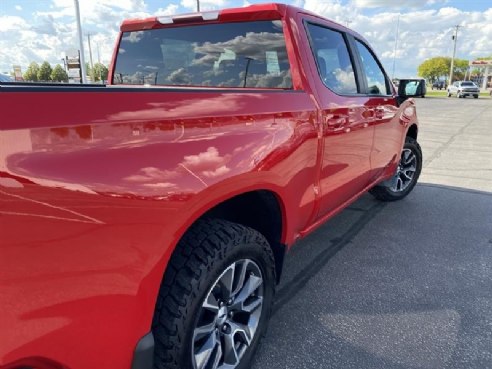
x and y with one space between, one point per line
201 257
449 94
386 193
475 96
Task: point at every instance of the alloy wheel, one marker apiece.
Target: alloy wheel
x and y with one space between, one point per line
405 172
229 317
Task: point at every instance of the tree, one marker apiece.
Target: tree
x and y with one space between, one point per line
460 68
31 73
44 73
434 68
58 74
88 70
99 72
439 66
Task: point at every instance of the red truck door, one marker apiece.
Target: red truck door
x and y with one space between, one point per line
347 133
382 102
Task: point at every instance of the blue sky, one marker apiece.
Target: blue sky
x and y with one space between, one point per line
38 30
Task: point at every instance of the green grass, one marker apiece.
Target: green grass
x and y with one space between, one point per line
444 93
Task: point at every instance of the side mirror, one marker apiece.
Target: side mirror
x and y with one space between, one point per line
411 88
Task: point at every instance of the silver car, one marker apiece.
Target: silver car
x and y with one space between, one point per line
464 89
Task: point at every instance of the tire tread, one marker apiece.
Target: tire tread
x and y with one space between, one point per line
382 193
204 245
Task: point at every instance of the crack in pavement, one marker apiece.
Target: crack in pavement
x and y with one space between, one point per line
440 150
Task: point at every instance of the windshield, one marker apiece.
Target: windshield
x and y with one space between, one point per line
247 54
467 84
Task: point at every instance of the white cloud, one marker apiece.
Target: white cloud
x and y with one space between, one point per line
171 9
423 33
395 4
12 23
425 27
204 4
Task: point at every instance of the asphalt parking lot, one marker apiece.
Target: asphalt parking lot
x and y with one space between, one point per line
405 284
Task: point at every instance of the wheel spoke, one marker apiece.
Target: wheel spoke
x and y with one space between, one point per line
241 330
226 282
229 317
399 184
231 356
251 285
211 303
411 168
218 355
409 157
405 174
204 330
203 355
240 275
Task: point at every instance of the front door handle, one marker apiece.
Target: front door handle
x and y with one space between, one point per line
379 113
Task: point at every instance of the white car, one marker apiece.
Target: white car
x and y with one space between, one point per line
5 78
464 89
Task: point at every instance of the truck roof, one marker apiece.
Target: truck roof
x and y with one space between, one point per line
249 13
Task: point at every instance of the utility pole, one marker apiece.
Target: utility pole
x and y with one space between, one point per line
396 46
347 22
90 49
98 53
455 39
197 5
81 44
90 55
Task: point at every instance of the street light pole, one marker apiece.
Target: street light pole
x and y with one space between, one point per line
396 46
455 39
81 43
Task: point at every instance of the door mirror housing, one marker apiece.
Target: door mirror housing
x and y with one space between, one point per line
411 88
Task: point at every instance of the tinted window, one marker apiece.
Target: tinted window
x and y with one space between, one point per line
376 80
248 54
467 84
333 60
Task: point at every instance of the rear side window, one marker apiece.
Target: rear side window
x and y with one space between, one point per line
333 59
248 54
376 80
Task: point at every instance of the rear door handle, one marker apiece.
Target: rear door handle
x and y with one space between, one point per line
336 122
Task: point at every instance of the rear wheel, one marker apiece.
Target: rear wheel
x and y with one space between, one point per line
406 175
475 96
215 300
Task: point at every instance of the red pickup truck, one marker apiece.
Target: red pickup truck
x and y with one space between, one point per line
144 223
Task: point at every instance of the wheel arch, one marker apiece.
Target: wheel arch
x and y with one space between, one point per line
261 210
413 131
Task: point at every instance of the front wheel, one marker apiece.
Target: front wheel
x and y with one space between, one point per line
215 300
449 94
475 96
406 175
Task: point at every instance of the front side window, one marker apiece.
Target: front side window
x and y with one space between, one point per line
376 80
247 54
333 59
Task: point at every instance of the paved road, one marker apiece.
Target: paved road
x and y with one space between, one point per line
400 285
